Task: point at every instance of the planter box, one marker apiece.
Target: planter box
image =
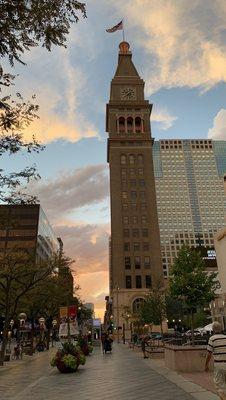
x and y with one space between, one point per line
186 359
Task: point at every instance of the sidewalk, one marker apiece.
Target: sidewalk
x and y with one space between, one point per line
198 384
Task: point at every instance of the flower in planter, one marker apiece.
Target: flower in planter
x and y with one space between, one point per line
70 361
68 358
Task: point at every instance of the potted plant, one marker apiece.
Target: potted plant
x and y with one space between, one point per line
68 358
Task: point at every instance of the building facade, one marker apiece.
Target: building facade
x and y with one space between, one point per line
190 193
26 227
135 254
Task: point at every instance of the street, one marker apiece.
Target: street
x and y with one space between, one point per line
123 375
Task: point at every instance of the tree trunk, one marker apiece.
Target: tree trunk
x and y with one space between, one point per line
4 341
192 328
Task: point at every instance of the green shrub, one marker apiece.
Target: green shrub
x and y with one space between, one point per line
70 361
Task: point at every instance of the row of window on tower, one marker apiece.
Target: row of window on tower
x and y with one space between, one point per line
137 262
134 206
138 284
136 246
134 195
135 233
129 125
134 220
132 159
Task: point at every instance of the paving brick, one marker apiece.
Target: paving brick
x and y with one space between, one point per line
123 375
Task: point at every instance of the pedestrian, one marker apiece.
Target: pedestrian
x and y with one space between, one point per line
217 348
143 346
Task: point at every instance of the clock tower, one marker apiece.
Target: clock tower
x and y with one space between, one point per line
135 255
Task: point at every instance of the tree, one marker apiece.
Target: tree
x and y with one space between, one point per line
190 282
15 115
19 274
25 24
153 310
57 290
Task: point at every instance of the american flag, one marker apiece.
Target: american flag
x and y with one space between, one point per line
117 27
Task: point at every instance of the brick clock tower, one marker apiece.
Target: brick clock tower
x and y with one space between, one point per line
135 255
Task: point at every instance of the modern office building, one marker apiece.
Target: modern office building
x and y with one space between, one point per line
190 193
26 227
135 254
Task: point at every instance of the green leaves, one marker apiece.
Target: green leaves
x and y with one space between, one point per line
189 280
26 23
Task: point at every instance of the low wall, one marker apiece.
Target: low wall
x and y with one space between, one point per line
186 359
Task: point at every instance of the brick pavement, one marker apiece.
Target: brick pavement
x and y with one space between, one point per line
123 375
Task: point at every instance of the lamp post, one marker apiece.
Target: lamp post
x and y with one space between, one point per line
117 306
54 324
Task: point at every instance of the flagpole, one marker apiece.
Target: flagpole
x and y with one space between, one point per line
123 32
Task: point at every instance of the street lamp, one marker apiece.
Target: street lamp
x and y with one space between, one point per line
54 324
117 306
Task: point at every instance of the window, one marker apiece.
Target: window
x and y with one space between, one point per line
142 183
123 159
137 304
138 124
145 232
138 282
135 232
135 219
128 282
140 171
140 159
129 124
133 206
121 124
137 262
147 263
142 195
125 206
132 171
145 246
123 173
124 195
148 281
133 182
136 246
131 159
126 232
125 220
126 246
127 263
143 219
133 195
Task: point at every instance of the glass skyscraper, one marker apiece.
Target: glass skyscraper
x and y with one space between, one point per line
190 193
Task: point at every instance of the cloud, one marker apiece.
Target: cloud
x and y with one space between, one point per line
163 118
94 289
87 244
184 42
72 190
218 131
60 85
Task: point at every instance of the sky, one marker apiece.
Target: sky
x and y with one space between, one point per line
179 49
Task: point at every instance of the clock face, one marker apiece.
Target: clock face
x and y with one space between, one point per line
128 93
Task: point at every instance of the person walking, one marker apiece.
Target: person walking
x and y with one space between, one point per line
143 345
216 348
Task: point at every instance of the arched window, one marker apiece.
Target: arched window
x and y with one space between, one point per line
123 159
137 303
131 159
138 125
121 124
130 125
140 159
